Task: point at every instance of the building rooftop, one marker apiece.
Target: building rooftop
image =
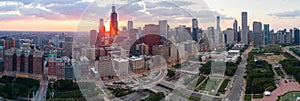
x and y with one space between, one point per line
121 60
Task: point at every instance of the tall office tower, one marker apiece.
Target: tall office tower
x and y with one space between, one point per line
292 33
273 38
163 29
257 32
195 29
244 32
267 35
151 36
296 36
38 62
113 22
129 25
235 29
101 32
219 38
211 34
250 36
9 63
229 36
93 37
101 24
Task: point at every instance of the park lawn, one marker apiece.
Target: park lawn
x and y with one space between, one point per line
222 89
279 72
191 98
257 96
200 79
248 97
289 96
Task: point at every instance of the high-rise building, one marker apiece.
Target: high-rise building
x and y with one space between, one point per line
273 38
229 36
195 29
9 60
129 25
67 48
105 67
151 36
93 37
257 32
245 29
218 34
38 62
211 36
296 36
235 28
10 43
136 63
101 33
267 34
113 22
121 66
163 29
24 61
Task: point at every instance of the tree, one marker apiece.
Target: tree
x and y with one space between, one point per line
171 73
155 97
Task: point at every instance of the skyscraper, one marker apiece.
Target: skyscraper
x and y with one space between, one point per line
267 35
113 22
101 32
218 32
195 29
129 25
257 33
235 29
163 28
296 36
211 34
244 32
93 37
101 24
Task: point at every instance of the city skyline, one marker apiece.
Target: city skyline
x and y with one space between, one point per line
60 16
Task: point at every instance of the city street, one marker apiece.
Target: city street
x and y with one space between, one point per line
236 89
42 91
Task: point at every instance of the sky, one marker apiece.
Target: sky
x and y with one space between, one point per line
84 15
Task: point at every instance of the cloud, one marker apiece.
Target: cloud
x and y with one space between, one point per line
286 14
143 11
71 10
10 17
21 1
40 13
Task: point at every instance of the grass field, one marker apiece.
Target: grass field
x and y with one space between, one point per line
290 96
279 72
223 86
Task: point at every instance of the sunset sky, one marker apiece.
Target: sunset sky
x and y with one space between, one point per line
83 15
